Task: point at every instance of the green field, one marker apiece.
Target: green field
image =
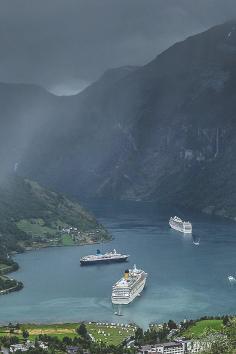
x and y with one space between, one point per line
107 333
113 334
199 327
67 240
38 229
58 330
35 227
4 268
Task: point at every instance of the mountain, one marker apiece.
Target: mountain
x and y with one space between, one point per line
70 154
24 109
32 216
164 131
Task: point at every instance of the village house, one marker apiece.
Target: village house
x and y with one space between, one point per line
175 347
163 348
72 349
20 347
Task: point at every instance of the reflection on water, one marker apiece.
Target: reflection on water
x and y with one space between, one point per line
188 275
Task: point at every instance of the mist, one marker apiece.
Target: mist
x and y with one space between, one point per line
26 110
66 45
56 42
68 88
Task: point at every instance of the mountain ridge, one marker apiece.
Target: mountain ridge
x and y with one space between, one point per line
162 132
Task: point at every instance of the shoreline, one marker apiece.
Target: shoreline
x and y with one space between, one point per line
29 249
64 323
19 286
103 322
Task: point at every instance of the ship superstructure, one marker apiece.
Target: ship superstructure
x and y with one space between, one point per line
180 225
108 257
129 286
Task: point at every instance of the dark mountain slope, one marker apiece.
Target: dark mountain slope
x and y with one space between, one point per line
24 110
72 153
165 131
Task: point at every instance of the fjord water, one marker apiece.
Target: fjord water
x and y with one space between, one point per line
185 280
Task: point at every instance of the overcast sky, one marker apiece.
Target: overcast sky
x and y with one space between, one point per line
65 44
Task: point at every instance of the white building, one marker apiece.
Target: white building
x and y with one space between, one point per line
177 347
163 348
21 347
15 347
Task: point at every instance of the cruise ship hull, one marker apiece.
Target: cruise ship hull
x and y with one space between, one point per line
101 261
127 300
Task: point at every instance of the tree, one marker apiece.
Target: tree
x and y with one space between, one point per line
230 331
172 325
226 320
7 341
213 342
67 340
17 326
139 337
11 330
163 332
82 330
25 334
13 340
150 336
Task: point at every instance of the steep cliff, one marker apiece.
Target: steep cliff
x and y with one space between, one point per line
164 131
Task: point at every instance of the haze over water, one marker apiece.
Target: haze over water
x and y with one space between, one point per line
185 280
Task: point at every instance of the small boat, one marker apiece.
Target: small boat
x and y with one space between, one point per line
196 243
231 279
118 314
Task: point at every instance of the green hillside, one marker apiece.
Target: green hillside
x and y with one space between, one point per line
197 329
31 216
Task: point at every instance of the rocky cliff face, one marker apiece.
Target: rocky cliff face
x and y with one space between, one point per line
164 131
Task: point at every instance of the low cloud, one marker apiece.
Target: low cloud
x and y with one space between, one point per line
52 42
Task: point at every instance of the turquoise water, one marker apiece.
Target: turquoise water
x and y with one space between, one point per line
185 280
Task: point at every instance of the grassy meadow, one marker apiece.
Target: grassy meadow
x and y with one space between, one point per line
100 332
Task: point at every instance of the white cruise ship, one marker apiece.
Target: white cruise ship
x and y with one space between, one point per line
180 225
129 286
